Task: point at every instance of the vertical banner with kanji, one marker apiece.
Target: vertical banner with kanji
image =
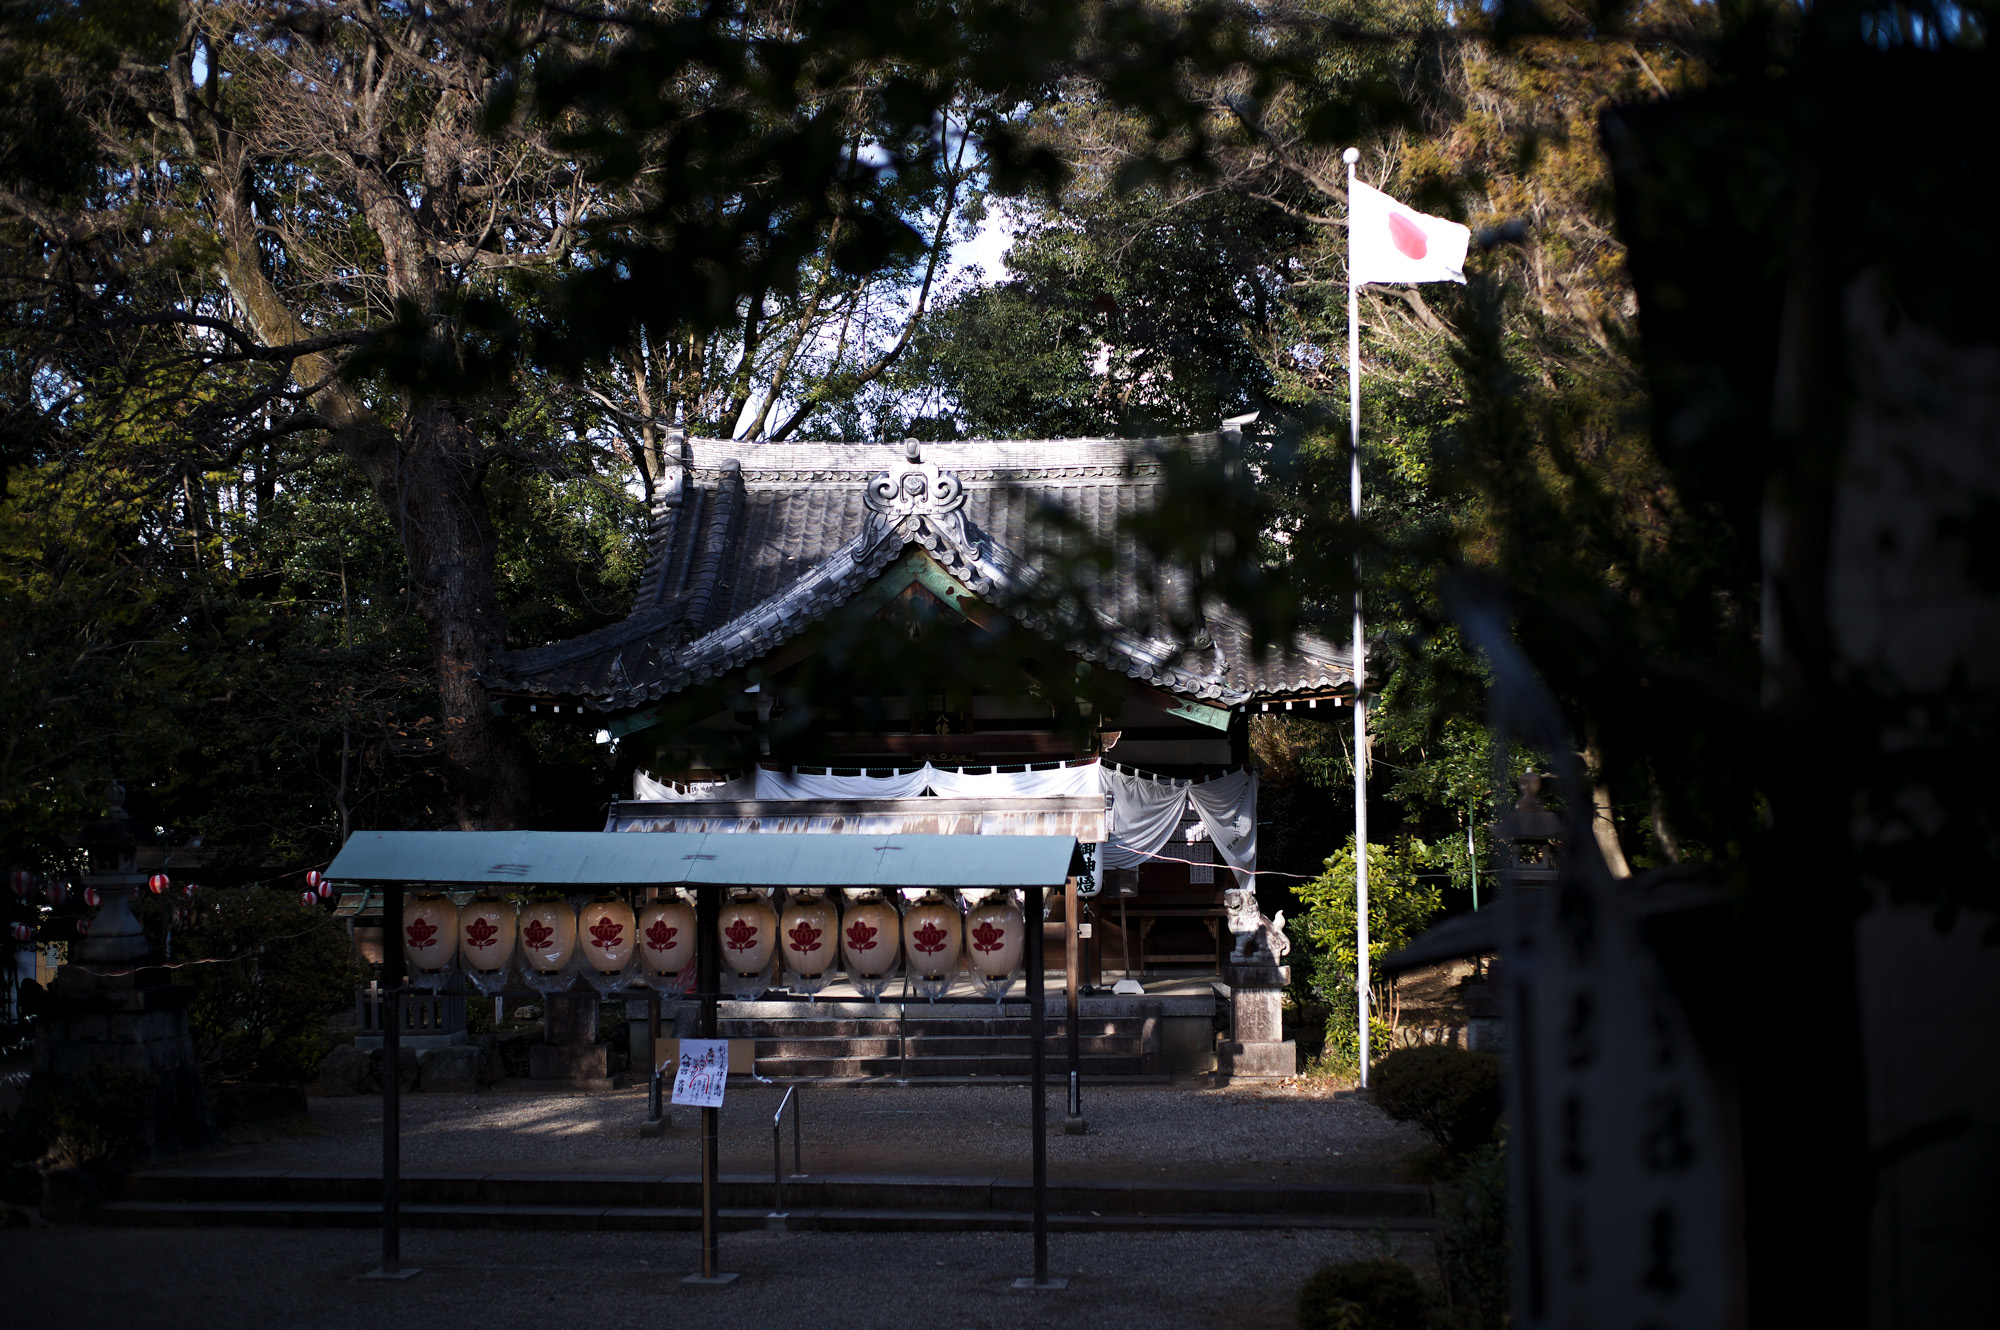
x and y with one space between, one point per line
703 1073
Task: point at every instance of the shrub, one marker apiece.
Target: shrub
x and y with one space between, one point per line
1452 1093
100 1117
1362 1295
1402 901
278 970
1472 1238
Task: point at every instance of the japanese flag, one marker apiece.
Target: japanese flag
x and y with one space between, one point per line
1390 243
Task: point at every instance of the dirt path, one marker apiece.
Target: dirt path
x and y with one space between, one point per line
178 1279
1136 1133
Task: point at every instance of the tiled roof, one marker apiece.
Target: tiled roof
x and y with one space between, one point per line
752 542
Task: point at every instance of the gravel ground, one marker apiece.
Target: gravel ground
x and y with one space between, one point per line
952 1131
199 1279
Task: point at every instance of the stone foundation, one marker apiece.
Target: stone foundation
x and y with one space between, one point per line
138 1020
1257 1048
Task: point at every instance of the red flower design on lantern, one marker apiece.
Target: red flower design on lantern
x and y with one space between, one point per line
929 938
742 935
606 932
422 933
986 937
805 937
861 936
482 932
538 934
660 937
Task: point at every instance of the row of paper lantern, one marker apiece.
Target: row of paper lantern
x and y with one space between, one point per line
812 939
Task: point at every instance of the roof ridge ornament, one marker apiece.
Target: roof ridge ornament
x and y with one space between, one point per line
913 488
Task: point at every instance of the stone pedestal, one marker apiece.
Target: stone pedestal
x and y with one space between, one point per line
569 1051
1256 1048
88 1025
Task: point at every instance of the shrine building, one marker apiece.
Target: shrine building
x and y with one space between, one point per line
963 638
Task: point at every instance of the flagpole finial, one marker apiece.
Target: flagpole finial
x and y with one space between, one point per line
1351 156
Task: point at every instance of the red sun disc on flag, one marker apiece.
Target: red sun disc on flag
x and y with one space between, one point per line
1409 237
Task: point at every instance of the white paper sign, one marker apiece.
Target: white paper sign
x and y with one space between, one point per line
703 1073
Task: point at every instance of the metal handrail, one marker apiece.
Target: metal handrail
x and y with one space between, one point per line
795 1100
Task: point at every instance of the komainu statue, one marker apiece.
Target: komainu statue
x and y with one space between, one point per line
1258 940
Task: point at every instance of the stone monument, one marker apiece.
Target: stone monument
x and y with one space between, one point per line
111 1007
1256 975
570 1050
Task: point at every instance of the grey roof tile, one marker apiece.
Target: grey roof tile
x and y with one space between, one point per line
769 537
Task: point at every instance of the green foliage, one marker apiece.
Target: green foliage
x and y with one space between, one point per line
1472 1239
1403 898
98 1118
1379 1294
273 971
1452 1093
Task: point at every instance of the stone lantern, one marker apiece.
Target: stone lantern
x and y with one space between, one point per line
111 1008
1531 839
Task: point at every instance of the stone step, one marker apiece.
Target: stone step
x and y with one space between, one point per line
949 1029
307 1214
249 1190
990 1067
941 1046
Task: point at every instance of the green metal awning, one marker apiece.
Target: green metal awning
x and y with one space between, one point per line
663 859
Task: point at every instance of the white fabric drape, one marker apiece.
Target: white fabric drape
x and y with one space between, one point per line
1145 810
1144 814
645 787
1227 806
1079 779
803 785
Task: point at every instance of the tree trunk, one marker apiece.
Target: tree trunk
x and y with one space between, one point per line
426 477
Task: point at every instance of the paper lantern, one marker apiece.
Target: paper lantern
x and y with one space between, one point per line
996 932
24 933
606 934
158 883
83 928
308 898
869 933
315 879
93 897
486 931
188 891
56 892
21 880
932 938
548 936
666 933
807 933
430 928
747 930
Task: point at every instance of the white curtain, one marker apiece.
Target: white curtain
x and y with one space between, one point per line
1079 779
1145 810
802 785
1227 806
645 787
1144 813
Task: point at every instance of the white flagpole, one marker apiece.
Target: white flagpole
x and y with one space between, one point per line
1351 156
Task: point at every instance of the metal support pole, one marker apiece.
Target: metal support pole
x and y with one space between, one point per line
656 1107
798 1107
778 1155
1073 1123
1360 643
391 1017
1037 1085
708 914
